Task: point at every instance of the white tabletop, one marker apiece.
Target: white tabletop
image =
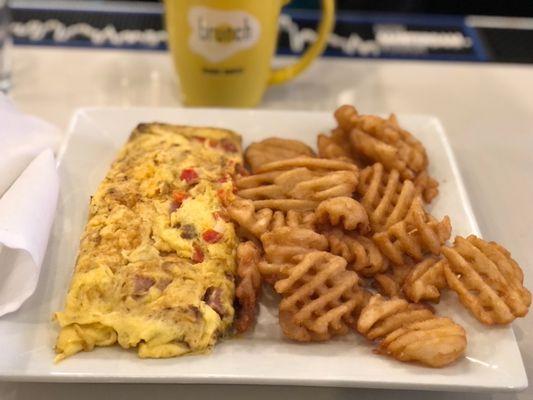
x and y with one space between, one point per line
487 111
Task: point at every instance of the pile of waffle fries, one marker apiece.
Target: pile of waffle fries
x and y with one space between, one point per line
346 238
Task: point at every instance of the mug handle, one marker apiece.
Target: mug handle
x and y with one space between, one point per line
280 75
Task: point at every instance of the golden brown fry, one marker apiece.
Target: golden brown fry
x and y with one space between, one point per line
248 286
386 199
426 186
320 297
329 148
487 280
416 236
334 184
383 141
274 149
381 317
314 164
387 286
286 204
361 254
435 342
390 283
282 244
411 332
425 281
343 211
255 223
346 116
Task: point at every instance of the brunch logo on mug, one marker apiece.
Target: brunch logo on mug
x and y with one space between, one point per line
217 35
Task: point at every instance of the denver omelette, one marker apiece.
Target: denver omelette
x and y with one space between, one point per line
156 263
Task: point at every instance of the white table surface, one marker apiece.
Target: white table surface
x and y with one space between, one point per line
487 111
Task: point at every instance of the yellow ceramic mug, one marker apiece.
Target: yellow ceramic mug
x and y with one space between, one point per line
222 48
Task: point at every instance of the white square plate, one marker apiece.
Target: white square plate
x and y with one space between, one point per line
492 361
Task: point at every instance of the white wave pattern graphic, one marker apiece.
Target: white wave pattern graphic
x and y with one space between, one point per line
387 37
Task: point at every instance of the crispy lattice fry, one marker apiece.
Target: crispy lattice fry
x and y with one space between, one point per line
416 236
255 223
426 186
299 183
248 287
314 164
487 280
390 283
381 317
387 286
334 184
343 211
331 149
286 204
435 342
360 252
282 244
411 332
346 117
386 198
274 149
383 140
320 297
425 281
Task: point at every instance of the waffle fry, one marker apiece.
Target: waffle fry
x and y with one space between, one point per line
282 244
381 317
299 183
487 280
385 198
286 204
242 211
319 297
426 186
387 286
343 211
331 149
425 281
361 254
416 236
410 332
314 164
248 287
435 342
274 149
383 140
390 283
346 117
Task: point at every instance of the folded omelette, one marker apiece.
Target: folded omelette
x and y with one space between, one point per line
156 262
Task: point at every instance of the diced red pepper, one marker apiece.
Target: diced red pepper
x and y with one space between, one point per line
223 196
198 254
200 139
229 146
223 179
177 200
189 175
211 236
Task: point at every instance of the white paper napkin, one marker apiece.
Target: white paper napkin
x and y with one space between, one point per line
29 188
